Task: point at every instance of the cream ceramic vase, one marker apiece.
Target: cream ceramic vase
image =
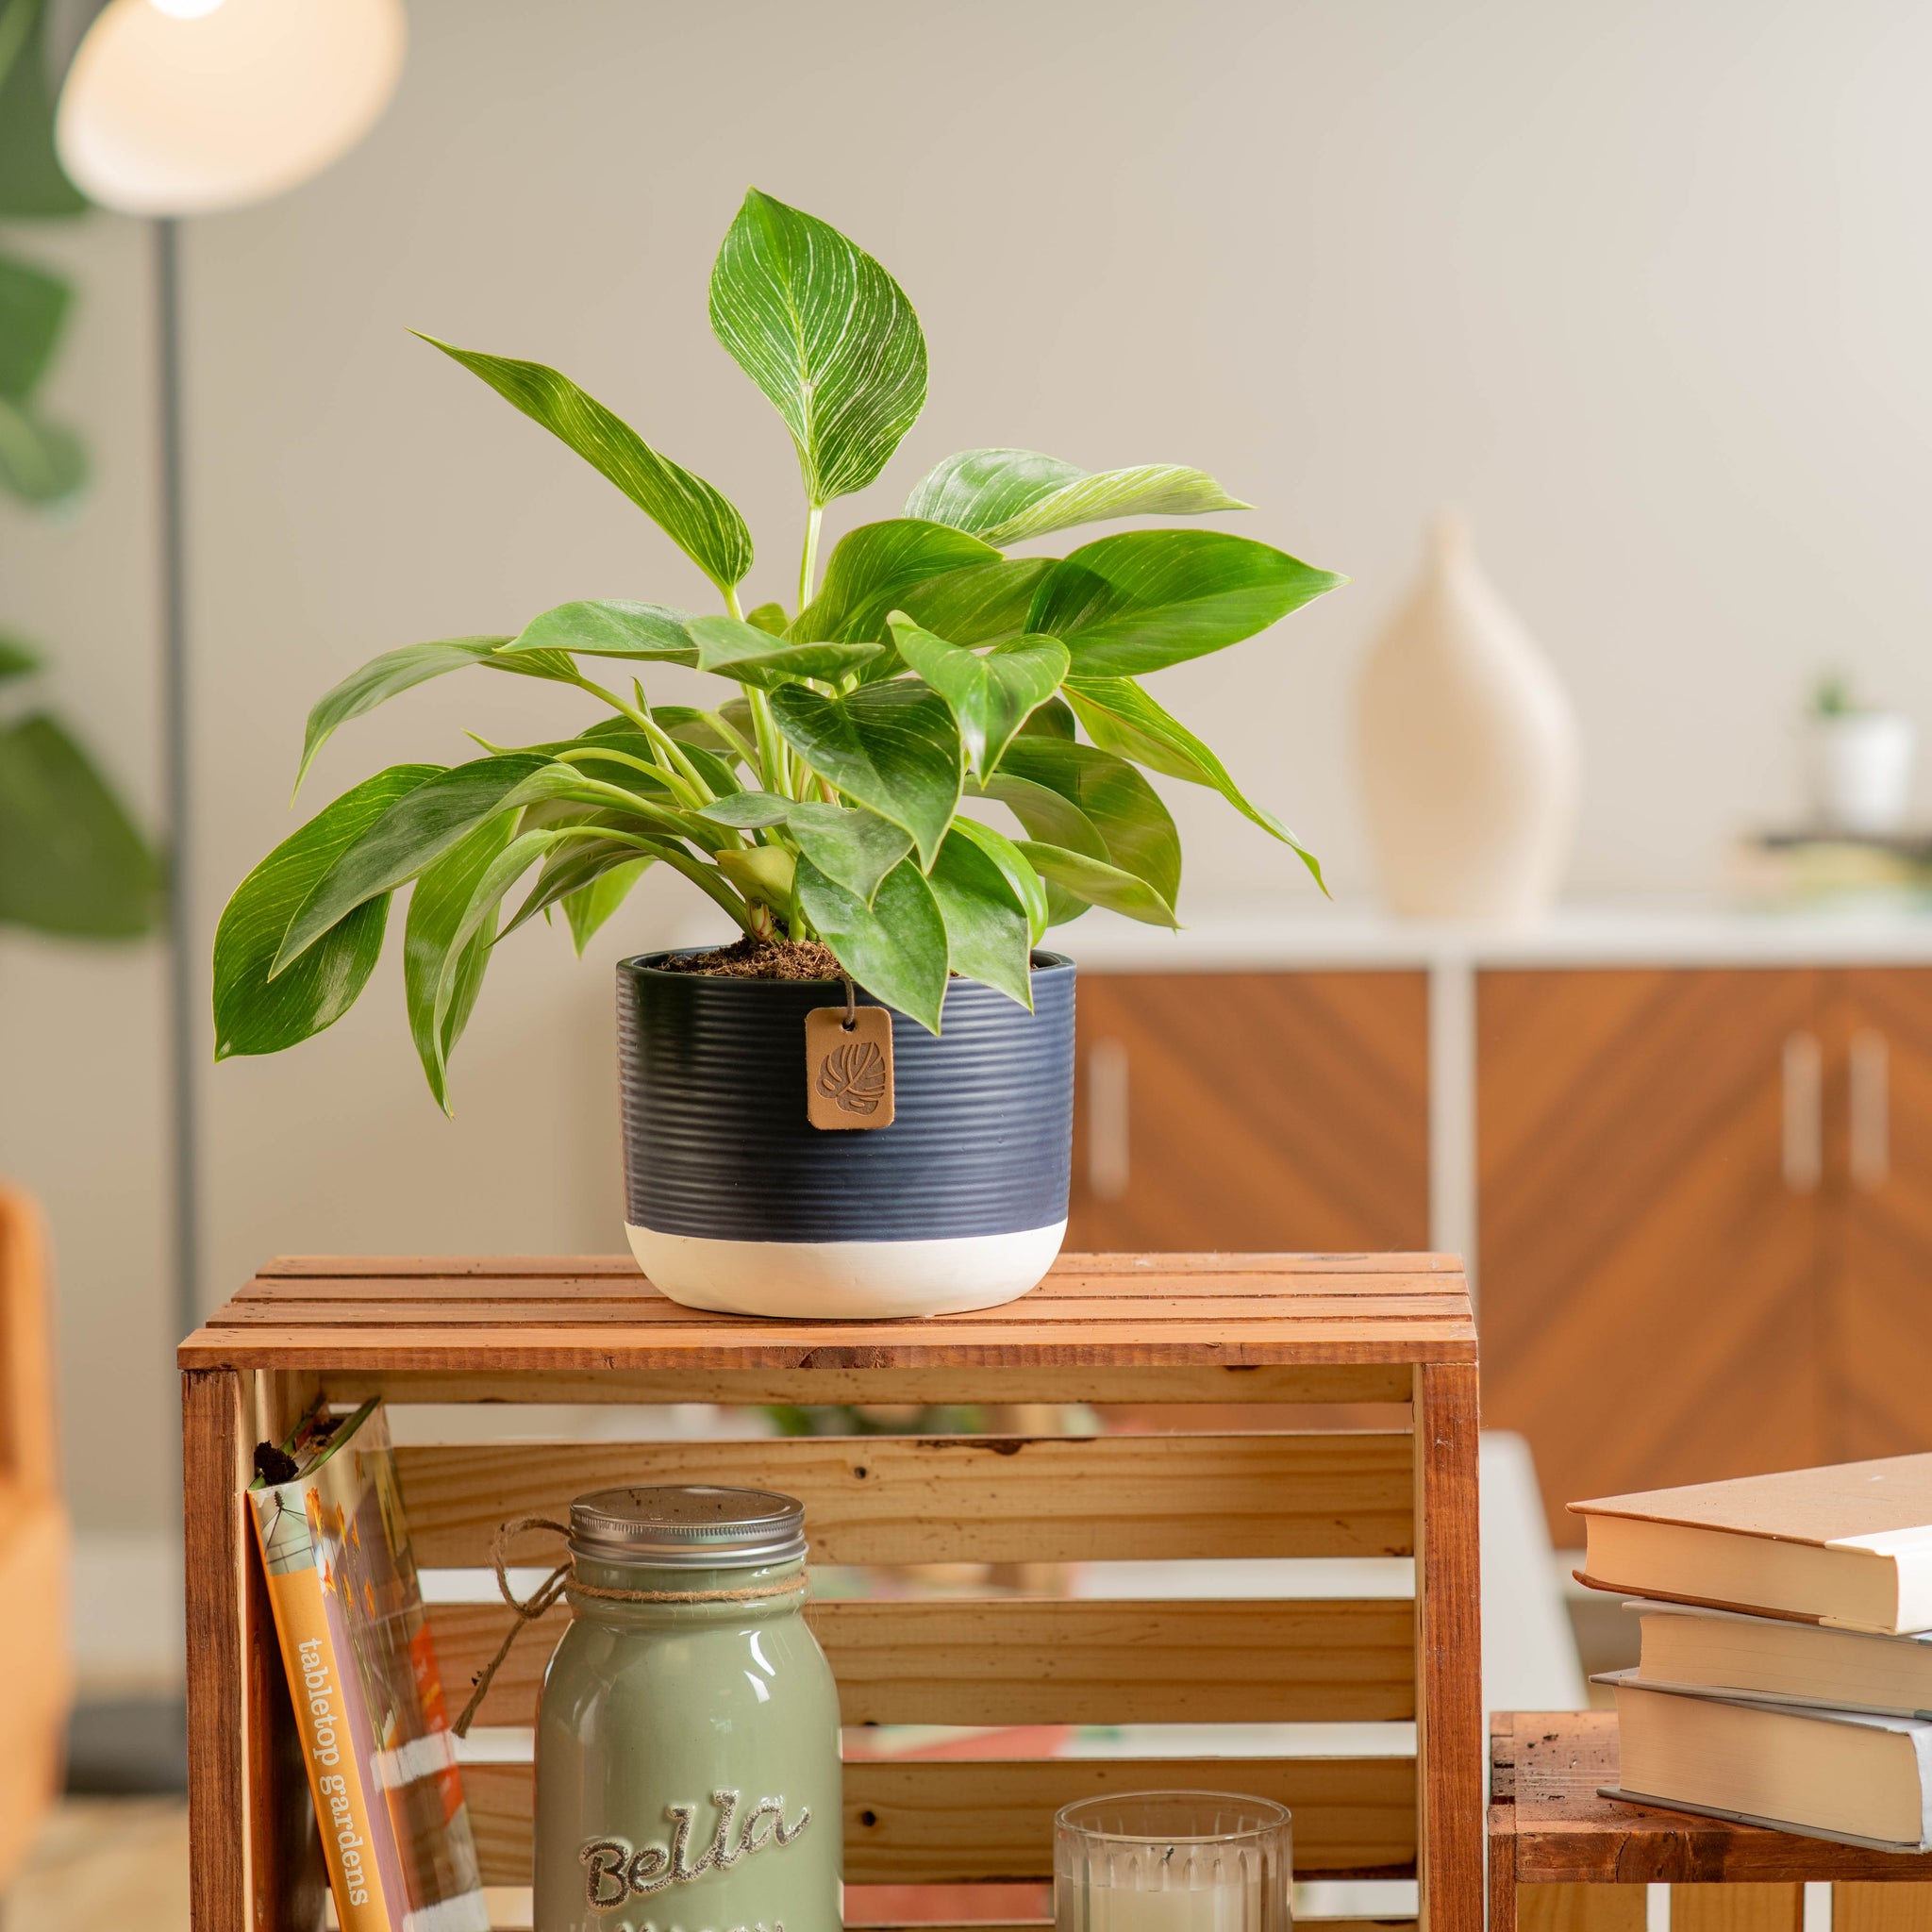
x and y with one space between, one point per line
1469 750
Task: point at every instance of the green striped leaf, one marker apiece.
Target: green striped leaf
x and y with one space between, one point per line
827 335
256 1014
697 518
1149 598
1006 495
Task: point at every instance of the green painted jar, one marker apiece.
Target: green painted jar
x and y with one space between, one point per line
688 1739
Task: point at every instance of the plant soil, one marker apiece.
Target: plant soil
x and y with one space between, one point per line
755 959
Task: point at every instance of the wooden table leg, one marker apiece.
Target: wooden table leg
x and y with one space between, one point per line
1448 1688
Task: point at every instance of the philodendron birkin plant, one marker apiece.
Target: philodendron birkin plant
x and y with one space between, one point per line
835 791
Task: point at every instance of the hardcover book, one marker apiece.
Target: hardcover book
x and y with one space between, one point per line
1840 1774
361 1670
1775 1661
1849 1545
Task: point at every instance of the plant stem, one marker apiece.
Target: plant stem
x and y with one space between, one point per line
683 777
733 736
772 771
808 563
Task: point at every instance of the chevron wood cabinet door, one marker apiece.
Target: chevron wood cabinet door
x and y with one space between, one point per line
1256 1111
1652 1188
1880 1175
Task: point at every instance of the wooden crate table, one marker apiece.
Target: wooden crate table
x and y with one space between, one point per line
1219 1337
1586 1860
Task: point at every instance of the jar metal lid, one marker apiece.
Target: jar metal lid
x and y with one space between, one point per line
688 1526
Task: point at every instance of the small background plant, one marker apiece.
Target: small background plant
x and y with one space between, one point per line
71 861
820 799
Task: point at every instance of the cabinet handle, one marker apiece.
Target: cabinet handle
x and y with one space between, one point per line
1106 1120
1870 1084
1804 1109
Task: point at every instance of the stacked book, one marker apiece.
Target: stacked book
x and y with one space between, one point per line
1786 1670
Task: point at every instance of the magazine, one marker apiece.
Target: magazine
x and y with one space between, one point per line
361 1668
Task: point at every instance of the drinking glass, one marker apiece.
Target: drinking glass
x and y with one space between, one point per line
1171 1861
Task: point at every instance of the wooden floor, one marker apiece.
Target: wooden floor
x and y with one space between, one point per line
97 1858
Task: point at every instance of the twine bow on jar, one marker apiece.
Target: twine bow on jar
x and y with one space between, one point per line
563 1581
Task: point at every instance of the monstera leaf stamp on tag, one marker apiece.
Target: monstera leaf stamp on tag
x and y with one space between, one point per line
848 1066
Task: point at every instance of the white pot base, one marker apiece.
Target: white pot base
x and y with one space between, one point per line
846 1281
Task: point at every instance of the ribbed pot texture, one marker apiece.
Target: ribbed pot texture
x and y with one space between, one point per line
717 1142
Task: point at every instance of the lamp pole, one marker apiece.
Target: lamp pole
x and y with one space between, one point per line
183 986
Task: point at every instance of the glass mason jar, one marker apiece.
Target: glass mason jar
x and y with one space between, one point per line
688 1746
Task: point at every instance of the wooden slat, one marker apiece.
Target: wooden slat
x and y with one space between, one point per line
526 1343
995 1662
1738 1908
517 1918
1582 1909
948 1822
911 1499
1168 1266
1881 1907
1212 1384
457 1305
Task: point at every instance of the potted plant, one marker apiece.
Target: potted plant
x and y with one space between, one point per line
822 802
1861 763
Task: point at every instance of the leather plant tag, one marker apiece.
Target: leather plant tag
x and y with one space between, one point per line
848 1068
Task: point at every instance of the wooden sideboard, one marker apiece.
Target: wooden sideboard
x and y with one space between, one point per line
1699 1175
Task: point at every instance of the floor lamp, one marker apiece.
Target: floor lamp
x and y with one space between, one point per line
181 107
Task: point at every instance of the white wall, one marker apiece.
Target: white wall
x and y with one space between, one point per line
1646 289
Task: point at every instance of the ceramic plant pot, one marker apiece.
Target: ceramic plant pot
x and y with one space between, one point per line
1861 771
734 1201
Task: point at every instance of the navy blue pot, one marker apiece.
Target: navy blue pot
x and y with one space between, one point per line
735 1201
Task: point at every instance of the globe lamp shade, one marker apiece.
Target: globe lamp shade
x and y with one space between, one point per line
188 106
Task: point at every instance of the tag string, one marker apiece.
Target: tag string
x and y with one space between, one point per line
562 1581
851 1019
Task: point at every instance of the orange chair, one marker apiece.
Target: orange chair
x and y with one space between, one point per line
36 1670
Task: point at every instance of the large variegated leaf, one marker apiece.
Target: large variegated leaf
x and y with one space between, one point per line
418 829
437 908
1136 831
895 948
988 934
740 651
991 696
1088 880
608 628
1148 598
1027 888
1120 717
410 665
256 1014
1006 495
697 518
877 568
827 335
982 604
893 748
855 849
